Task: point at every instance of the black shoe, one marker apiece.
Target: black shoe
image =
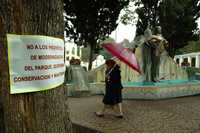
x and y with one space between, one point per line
119 116
98 115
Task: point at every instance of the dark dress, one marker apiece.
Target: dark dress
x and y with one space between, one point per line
114 87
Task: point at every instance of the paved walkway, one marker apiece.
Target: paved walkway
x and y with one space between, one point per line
179 115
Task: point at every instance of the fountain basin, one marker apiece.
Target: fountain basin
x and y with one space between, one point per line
161 90
94 89
140 90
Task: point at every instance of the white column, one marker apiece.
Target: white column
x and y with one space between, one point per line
180 60
197 62
190 60
80 52
76 50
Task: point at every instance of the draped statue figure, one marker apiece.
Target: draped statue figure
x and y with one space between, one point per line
152 45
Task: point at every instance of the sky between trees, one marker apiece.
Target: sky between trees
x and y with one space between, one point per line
128 31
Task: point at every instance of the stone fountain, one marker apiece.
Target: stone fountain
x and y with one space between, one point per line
76 80
161 77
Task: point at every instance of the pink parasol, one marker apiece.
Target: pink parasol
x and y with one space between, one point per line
123 54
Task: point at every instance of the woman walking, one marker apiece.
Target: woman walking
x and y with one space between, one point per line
113 92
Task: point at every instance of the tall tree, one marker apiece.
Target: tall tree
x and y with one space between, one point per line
88 21
176 17
40 112
147 13
178 21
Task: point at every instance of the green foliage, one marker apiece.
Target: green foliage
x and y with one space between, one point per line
91 19
178 21
193 46
192 72
176 17
147 13
88 21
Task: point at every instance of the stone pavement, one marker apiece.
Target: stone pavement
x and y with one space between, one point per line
178 115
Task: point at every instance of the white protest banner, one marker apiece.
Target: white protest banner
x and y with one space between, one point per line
36 63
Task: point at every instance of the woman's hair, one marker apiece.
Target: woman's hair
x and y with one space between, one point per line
110 62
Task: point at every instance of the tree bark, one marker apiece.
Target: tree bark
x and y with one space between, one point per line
38 112
91 56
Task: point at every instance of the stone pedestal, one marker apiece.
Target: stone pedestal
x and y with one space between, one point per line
79 85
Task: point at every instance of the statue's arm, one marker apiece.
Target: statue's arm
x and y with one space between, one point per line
138 41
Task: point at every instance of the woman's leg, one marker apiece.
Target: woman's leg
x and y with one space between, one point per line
102 112
120 109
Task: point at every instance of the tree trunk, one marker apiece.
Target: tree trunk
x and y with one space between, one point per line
171 49
91 56
38 112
